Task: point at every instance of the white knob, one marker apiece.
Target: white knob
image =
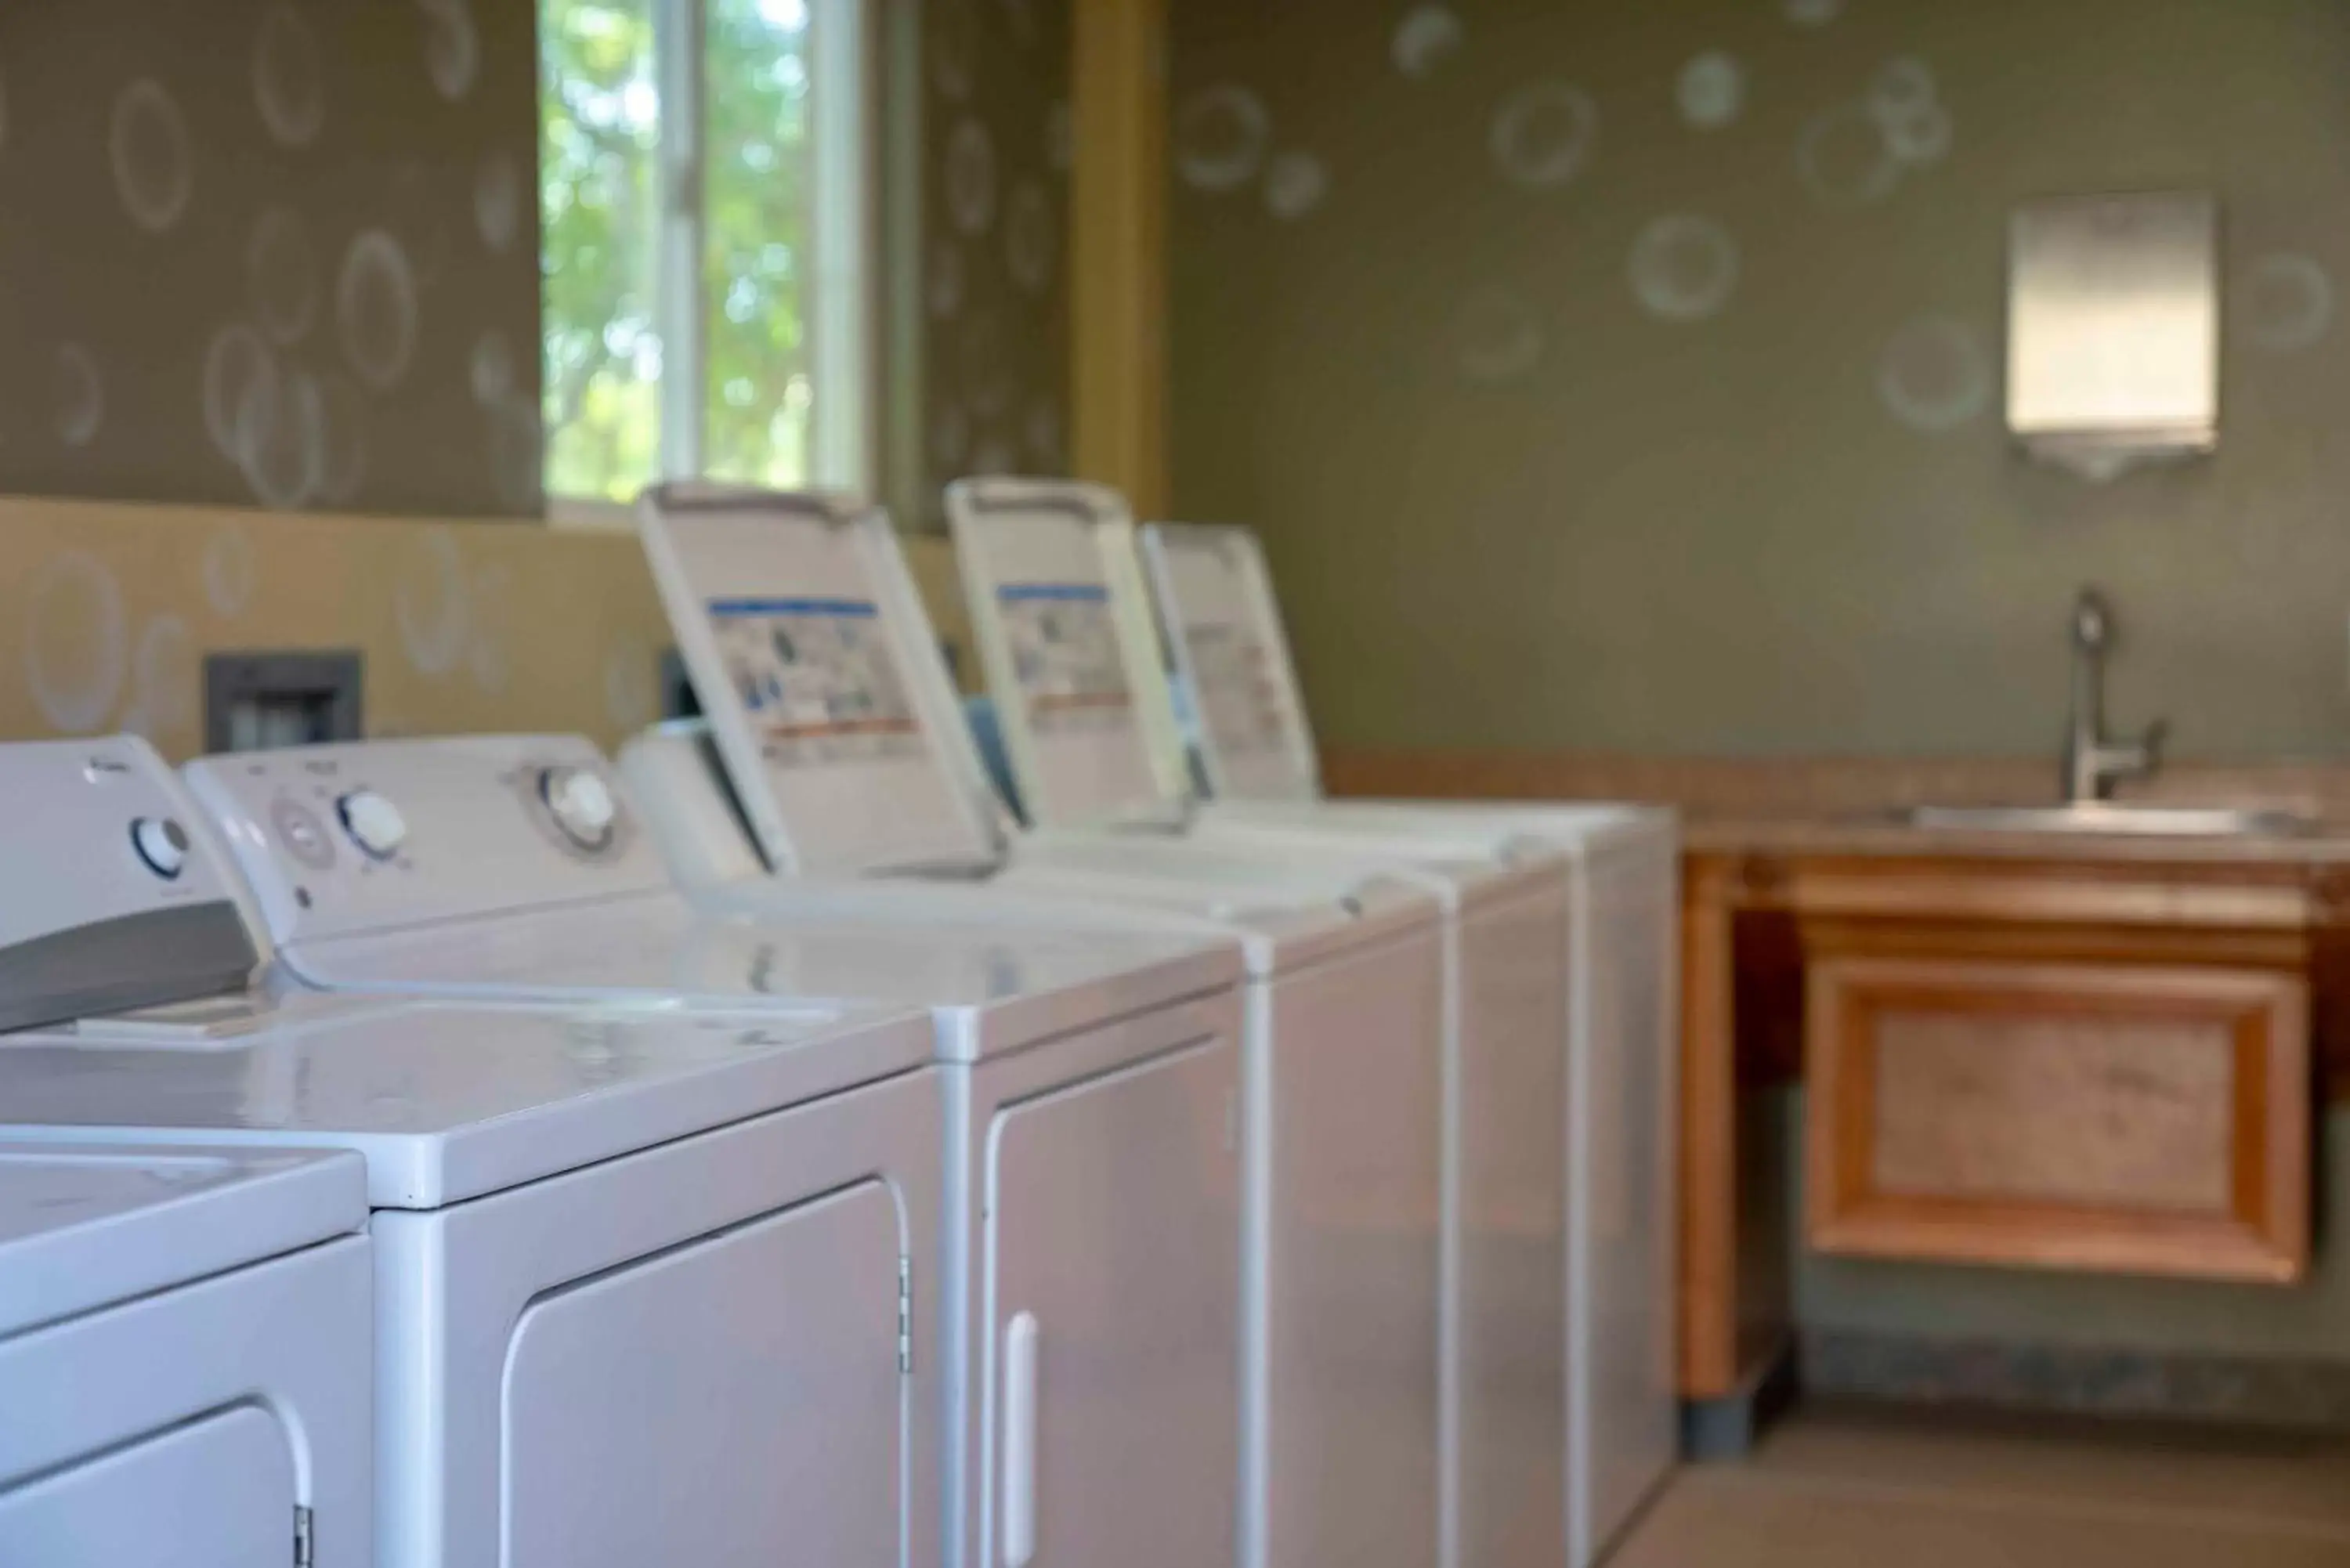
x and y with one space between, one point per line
163 844
374 823
582 805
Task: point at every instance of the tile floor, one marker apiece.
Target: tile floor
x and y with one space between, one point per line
1844 1489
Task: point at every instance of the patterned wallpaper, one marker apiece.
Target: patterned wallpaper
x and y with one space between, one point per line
996 144
275 252
1628 376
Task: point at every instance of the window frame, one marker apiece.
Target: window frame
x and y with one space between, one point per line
842 295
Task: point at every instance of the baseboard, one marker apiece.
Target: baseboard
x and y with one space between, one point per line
2190 1387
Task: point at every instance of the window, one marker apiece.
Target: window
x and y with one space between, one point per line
702 200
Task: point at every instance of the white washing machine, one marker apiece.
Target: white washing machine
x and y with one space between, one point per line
644 1283
1251 746
183 1357
800 625
1088 1258
1618 989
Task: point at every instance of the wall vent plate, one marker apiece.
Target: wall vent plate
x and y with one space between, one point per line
261 701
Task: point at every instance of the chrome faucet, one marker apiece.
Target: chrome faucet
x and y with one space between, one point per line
2092 764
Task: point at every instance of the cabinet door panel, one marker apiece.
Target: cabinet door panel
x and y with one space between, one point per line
2068 1115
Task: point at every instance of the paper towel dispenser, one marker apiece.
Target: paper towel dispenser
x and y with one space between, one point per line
2112 329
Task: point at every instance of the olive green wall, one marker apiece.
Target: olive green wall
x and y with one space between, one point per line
270 252
995 222
1512 504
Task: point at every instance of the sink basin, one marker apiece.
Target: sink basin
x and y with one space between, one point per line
2102 817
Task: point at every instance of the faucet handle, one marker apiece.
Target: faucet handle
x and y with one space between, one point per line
2157 736
2093 620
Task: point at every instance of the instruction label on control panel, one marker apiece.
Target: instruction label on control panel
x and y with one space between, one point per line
1240 700
1064 654
819 679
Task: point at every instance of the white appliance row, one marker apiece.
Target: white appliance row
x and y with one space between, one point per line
1167 1185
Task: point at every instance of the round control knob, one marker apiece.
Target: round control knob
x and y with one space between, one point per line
163 844
374 823
581 804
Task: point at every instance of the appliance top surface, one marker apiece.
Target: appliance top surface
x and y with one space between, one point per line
446 1100
84 1224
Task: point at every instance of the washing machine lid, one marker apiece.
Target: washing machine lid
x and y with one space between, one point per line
445 1102
1063 624
84 1225
822 680
1236 679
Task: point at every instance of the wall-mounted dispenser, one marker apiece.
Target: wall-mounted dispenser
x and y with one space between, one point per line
2113 329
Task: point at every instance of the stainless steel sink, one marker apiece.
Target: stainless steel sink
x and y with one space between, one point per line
2102 817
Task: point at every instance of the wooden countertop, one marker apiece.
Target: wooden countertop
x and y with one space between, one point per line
1832 806
1879 834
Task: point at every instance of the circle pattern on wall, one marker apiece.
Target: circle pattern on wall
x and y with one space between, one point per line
81 395
1923 138
1220 137
1845 158
286 88
285 423
154 169
227 569
376 309
235 362
1684 267
498 198
1426 37
1903 86
1294 184
1935 374
452 46
492 369
281 276
342 461
1710 91
75 642
164 680
1497 337
427 600
1544 134
2288 302
971 177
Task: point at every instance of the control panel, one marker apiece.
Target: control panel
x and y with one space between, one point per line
111 894
340 841
95 830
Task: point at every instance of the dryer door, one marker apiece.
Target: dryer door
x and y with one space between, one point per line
217 1493
1112 1268
631 1399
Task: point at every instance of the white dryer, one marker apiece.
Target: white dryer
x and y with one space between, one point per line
184 1372
1250 744
836 741
1088 1257
643 1279
1616 875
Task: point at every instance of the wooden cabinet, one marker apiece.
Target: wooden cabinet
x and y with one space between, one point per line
2141 1118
